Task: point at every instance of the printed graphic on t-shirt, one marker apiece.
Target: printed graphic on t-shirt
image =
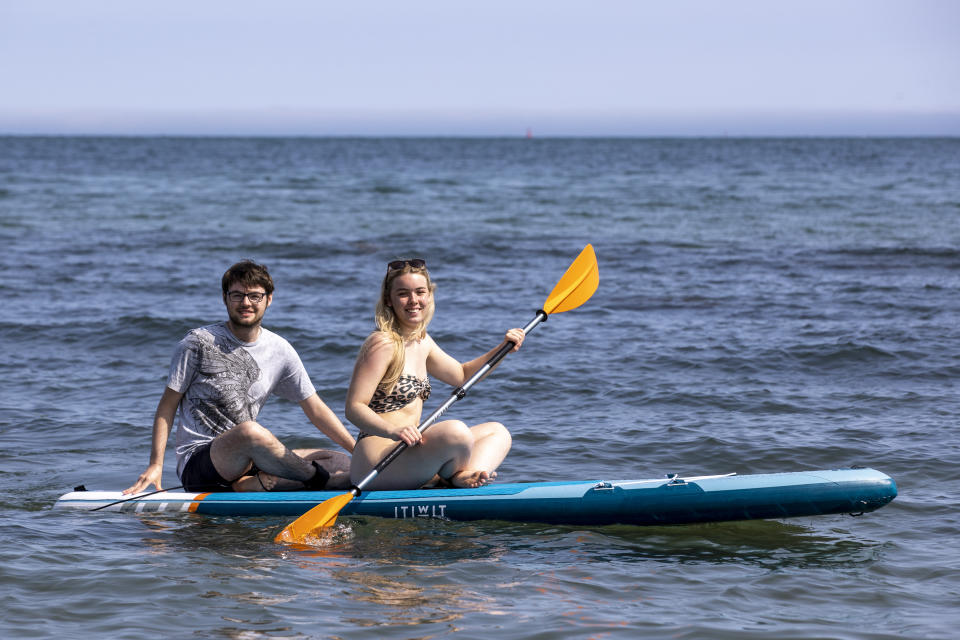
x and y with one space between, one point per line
220 393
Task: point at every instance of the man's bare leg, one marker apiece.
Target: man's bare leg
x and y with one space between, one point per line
247 444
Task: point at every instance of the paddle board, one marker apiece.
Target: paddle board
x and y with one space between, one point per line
663 501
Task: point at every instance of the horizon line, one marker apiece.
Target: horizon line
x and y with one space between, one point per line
478 136
485 123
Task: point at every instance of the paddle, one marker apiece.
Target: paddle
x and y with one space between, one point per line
574 288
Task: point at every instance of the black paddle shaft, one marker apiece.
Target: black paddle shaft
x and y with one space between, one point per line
457 394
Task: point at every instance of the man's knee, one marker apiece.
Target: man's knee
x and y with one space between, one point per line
249 433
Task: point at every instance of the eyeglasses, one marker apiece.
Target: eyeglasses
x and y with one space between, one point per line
255 297
416 263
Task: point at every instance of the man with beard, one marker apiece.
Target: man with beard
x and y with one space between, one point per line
220 377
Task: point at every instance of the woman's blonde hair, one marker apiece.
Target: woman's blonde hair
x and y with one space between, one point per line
389 326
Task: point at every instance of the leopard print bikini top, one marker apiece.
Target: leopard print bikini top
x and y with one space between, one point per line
406 390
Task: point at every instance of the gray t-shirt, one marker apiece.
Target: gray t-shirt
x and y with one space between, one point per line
226 382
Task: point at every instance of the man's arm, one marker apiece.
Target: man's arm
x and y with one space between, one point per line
162 421
324 419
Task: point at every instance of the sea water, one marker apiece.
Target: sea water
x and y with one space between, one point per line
764 305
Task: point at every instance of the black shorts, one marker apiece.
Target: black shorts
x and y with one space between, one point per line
199 474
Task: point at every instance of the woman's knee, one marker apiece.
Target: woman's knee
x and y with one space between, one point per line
492 430
452 432
501 433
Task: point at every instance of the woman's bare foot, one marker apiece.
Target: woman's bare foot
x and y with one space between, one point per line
471 479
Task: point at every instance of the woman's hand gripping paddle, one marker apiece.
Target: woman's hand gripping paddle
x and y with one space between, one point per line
574 288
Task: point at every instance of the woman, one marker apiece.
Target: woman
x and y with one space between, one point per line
390 384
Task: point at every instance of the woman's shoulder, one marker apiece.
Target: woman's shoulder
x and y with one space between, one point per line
378 338
378 342
431 346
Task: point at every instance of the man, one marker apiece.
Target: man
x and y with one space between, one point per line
220 377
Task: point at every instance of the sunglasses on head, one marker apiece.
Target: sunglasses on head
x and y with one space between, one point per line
416 263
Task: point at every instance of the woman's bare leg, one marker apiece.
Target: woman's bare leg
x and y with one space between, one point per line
464 456
446 447
491 443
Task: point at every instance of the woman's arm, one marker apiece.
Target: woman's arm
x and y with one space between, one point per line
449 370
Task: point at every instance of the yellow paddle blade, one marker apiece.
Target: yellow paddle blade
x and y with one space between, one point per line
321 516
577 284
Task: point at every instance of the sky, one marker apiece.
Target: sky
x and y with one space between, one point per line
487 68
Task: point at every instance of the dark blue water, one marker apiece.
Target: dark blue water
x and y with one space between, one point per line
764 305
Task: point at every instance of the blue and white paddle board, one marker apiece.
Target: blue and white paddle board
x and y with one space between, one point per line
664 501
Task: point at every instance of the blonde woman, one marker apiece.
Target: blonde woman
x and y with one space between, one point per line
390 383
